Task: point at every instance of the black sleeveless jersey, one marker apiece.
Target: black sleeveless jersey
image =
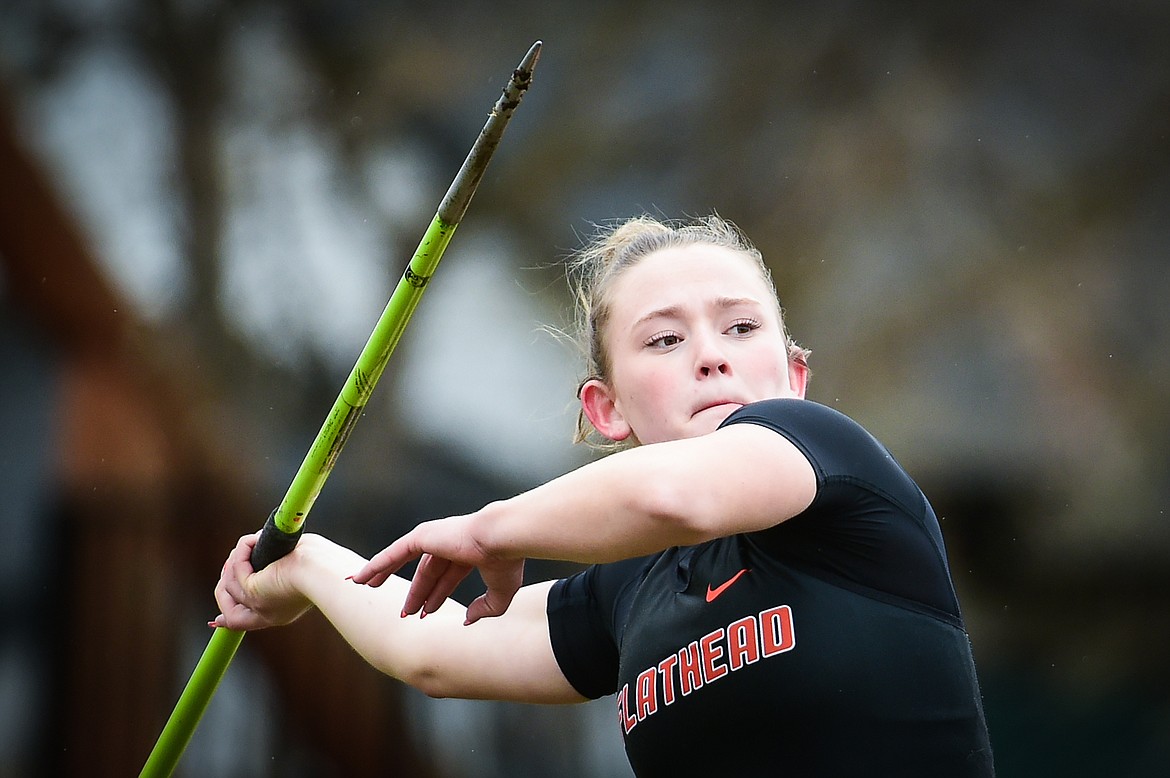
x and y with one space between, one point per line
828 645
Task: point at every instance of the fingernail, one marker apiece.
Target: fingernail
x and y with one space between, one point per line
213 625
349 578
403 616
423 613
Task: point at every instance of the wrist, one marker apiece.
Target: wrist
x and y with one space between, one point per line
315 557
486 530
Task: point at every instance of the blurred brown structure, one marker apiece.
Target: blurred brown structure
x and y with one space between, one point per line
148 499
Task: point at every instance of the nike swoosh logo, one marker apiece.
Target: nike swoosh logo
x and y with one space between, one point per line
721 588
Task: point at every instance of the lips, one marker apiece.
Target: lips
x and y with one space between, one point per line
717 404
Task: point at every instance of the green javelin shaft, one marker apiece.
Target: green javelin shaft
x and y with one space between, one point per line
284 526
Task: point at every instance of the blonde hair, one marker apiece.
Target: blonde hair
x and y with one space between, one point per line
594 269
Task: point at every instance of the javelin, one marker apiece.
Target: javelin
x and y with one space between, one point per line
285 524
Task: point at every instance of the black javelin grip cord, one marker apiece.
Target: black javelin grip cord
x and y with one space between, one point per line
284 526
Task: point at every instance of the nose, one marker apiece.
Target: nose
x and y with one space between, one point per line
710 359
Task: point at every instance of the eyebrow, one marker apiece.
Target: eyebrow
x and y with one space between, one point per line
675 311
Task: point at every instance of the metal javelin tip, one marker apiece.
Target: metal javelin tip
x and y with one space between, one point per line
455 202
529 61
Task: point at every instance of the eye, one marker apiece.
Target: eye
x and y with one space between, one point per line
743 326
664 339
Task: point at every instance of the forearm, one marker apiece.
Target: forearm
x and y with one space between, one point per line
367 618
508 658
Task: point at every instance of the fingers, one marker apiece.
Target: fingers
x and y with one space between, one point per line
230 591
491 603
239 618
387 562
502 581
239 566
446 556
480 608
430 570
444 586
434 581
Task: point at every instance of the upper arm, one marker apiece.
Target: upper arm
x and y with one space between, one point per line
739 478
507 657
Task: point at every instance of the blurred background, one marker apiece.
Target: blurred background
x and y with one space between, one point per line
204 206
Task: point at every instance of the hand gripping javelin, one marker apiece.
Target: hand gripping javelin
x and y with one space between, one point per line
284 526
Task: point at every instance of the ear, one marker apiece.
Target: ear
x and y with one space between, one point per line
600 407
798 375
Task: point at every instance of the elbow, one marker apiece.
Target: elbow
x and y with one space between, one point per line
428 679
416 668
433 657
433 686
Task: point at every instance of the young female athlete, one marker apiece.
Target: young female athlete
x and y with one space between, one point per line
768 591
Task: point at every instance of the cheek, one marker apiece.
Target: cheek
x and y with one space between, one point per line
646 394
657 387
768 372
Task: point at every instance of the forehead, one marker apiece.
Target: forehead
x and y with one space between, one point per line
684 275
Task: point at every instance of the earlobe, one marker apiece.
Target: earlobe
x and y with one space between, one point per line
600 408
798 376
